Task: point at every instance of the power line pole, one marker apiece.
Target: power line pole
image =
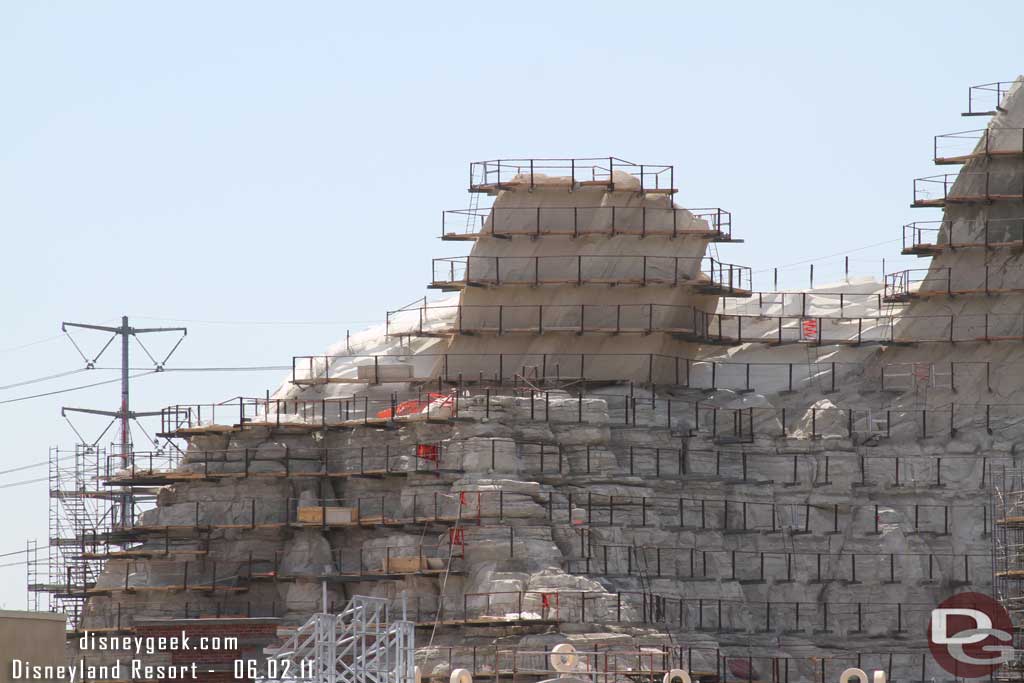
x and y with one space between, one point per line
125 414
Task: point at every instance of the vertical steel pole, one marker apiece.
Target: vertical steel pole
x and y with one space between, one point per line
125 433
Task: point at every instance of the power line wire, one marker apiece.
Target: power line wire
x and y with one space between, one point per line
40 341
23 483
42 379
230 369
259 322
224 369
818 258
70 389
30 344
24 467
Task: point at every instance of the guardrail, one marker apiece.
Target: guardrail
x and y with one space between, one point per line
496 271
906 284
724 329
735 424
206 576
986 99
366 561
718 615
926 238
581 221
979 186
715 615
546 318
549 459
119 617
389 509
687 322
913 283
957 148
694 463
684 563
526 372
114 464
304 413
495 508
169 575
779 567
803 304
702 662
506 174
419 458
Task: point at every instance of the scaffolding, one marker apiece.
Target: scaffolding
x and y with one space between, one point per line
84 514
707 274
80 514
713 224
987 99
696 417
33 576
980 187
495 175
1007 500
928 238
359 645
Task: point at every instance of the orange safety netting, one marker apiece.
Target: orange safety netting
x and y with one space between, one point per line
414 406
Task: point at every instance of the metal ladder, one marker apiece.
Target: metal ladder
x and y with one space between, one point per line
474 205
812 368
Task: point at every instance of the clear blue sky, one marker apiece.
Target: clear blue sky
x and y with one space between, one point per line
256 161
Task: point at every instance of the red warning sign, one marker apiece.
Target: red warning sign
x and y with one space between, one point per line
427 451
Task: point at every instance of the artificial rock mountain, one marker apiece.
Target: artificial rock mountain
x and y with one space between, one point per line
598 439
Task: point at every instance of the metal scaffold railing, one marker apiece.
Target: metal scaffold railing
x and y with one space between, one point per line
713 224
986 99
1007 501
64 572
359 645
494 175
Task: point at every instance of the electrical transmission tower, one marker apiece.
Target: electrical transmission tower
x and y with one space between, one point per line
125 414
83 511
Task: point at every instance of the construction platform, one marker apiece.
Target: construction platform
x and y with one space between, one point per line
981 187
987 99
602 173
985 143
706 274
505 222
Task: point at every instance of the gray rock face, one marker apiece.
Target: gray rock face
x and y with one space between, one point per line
716 533
308 553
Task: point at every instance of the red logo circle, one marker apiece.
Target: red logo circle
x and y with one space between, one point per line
970 635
